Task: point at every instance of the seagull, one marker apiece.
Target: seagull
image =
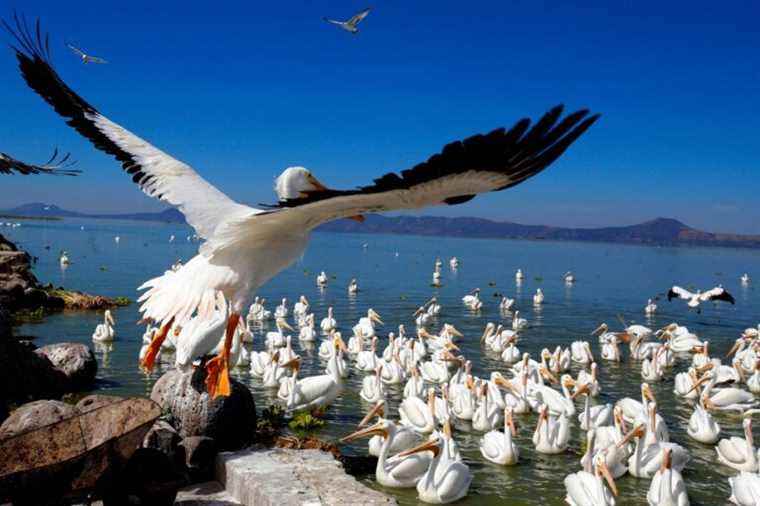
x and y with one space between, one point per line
55 166
245 247
695 299
351 24
86 58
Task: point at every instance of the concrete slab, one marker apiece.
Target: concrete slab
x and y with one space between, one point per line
211 493
285 477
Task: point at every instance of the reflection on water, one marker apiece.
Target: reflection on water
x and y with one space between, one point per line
612 280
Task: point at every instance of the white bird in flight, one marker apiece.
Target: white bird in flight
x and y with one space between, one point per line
698 297
351 24
245 247
86 58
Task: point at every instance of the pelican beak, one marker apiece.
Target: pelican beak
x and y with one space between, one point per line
373 430
469 382
511 421
699 383
624 336
340 343
547 375
455 332
275 358
600 329
447 428
581 390
286 325
647 391
637 431
451 346
734 348
502 382
318 187
375 317
377 410
428 446
666 459
294 364
705 368
608 476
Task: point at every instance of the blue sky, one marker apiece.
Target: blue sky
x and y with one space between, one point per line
241 90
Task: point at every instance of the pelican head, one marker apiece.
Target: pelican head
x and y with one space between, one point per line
601 329
378 410
372 315
297 182
382 428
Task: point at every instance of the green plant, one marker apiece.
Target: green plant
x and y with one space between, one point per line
304 422
29 315
271 420
122 301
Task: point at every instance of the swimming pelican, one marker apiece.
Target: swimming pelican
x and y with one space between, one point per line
64 259
418 414
487 414
587 488
696 298
313 391
328 323
300 308
589 380
353 287
745 489
554 438
415 385
702 426
569 278
104 332
276 338
650 308
282 310
366 326
744 279
373 388
367 360
596 416
738 453
647 456
322 279
454 262
403 470
498 447
518 323
725 399
245 247
538 298
472 300
307 333
580 352
667 487
447 479
273 372
506 304
519 275
403 437
611 350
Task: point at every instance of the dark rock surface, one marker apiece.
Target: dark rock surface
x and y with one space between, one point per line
34 415
26 375
164 438
75 360
231 421
148 479
199 454
95 401
5 323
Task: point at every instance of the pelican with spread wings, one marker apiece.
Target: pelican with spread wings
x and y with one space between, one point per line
696 298
352 24
56 165
245 247
86 58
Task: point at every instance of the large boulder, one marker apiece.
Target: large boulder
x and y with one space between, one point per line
231 421
16 275
26 375
164 438
75 360
34 415
5 323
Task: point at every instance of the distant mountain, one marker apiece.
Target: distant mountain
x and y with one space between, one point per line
658 232
41 210
661 231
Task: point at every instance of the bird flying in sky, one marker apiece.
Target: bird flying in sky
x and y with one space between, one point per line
86 58
352 24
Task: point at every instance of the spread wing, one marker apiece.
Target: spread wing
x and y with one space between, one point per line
155 172
76 50
479 164
358 17
717 293
56 165
676 292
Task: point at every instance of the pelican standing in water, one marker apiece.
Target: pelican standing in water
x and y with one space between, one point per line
246 247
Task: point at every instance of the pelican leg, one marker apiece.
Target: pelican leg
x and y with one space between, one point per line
218 368
155 346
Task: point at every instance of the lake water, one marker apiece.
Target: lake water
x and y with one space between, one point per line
394 273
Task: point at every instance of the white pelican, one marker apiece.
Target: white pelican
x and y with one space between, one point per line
86 58
702 426
273 372
651 369
744 279
667 487
336 365
745 489
116 240
393 371
580 352
647 458
415 385
418 414
436 278
487 414
282 310
373 388
447 479
511 354
403 470
587 488
328 323
538 298
472 300
276 338
350 25
569 278
421 317
552 434
498 447
64 259
353 287
518 323
753 382
245 247
433 308
307 333
312 392
593 416
322 279
366 326
464 403
367 360
725 399
650 308
301 308
611 350
685 384
588 380
615 458
506 304
696 298
454 262
556 402
738 453
104 331
519 275
403 437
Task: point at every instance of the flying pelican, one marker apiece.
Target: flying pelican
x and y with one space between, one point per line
245 247
351 24
696 298
54 166
86 58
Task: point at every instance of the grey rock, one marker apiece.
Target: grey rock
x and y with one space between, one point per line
198 453
164 438
34 415
210 493
75 360
26 376
231 421
149 479
95 401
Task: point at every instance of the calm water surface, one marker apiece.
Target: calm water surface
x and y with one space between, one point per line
394 273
